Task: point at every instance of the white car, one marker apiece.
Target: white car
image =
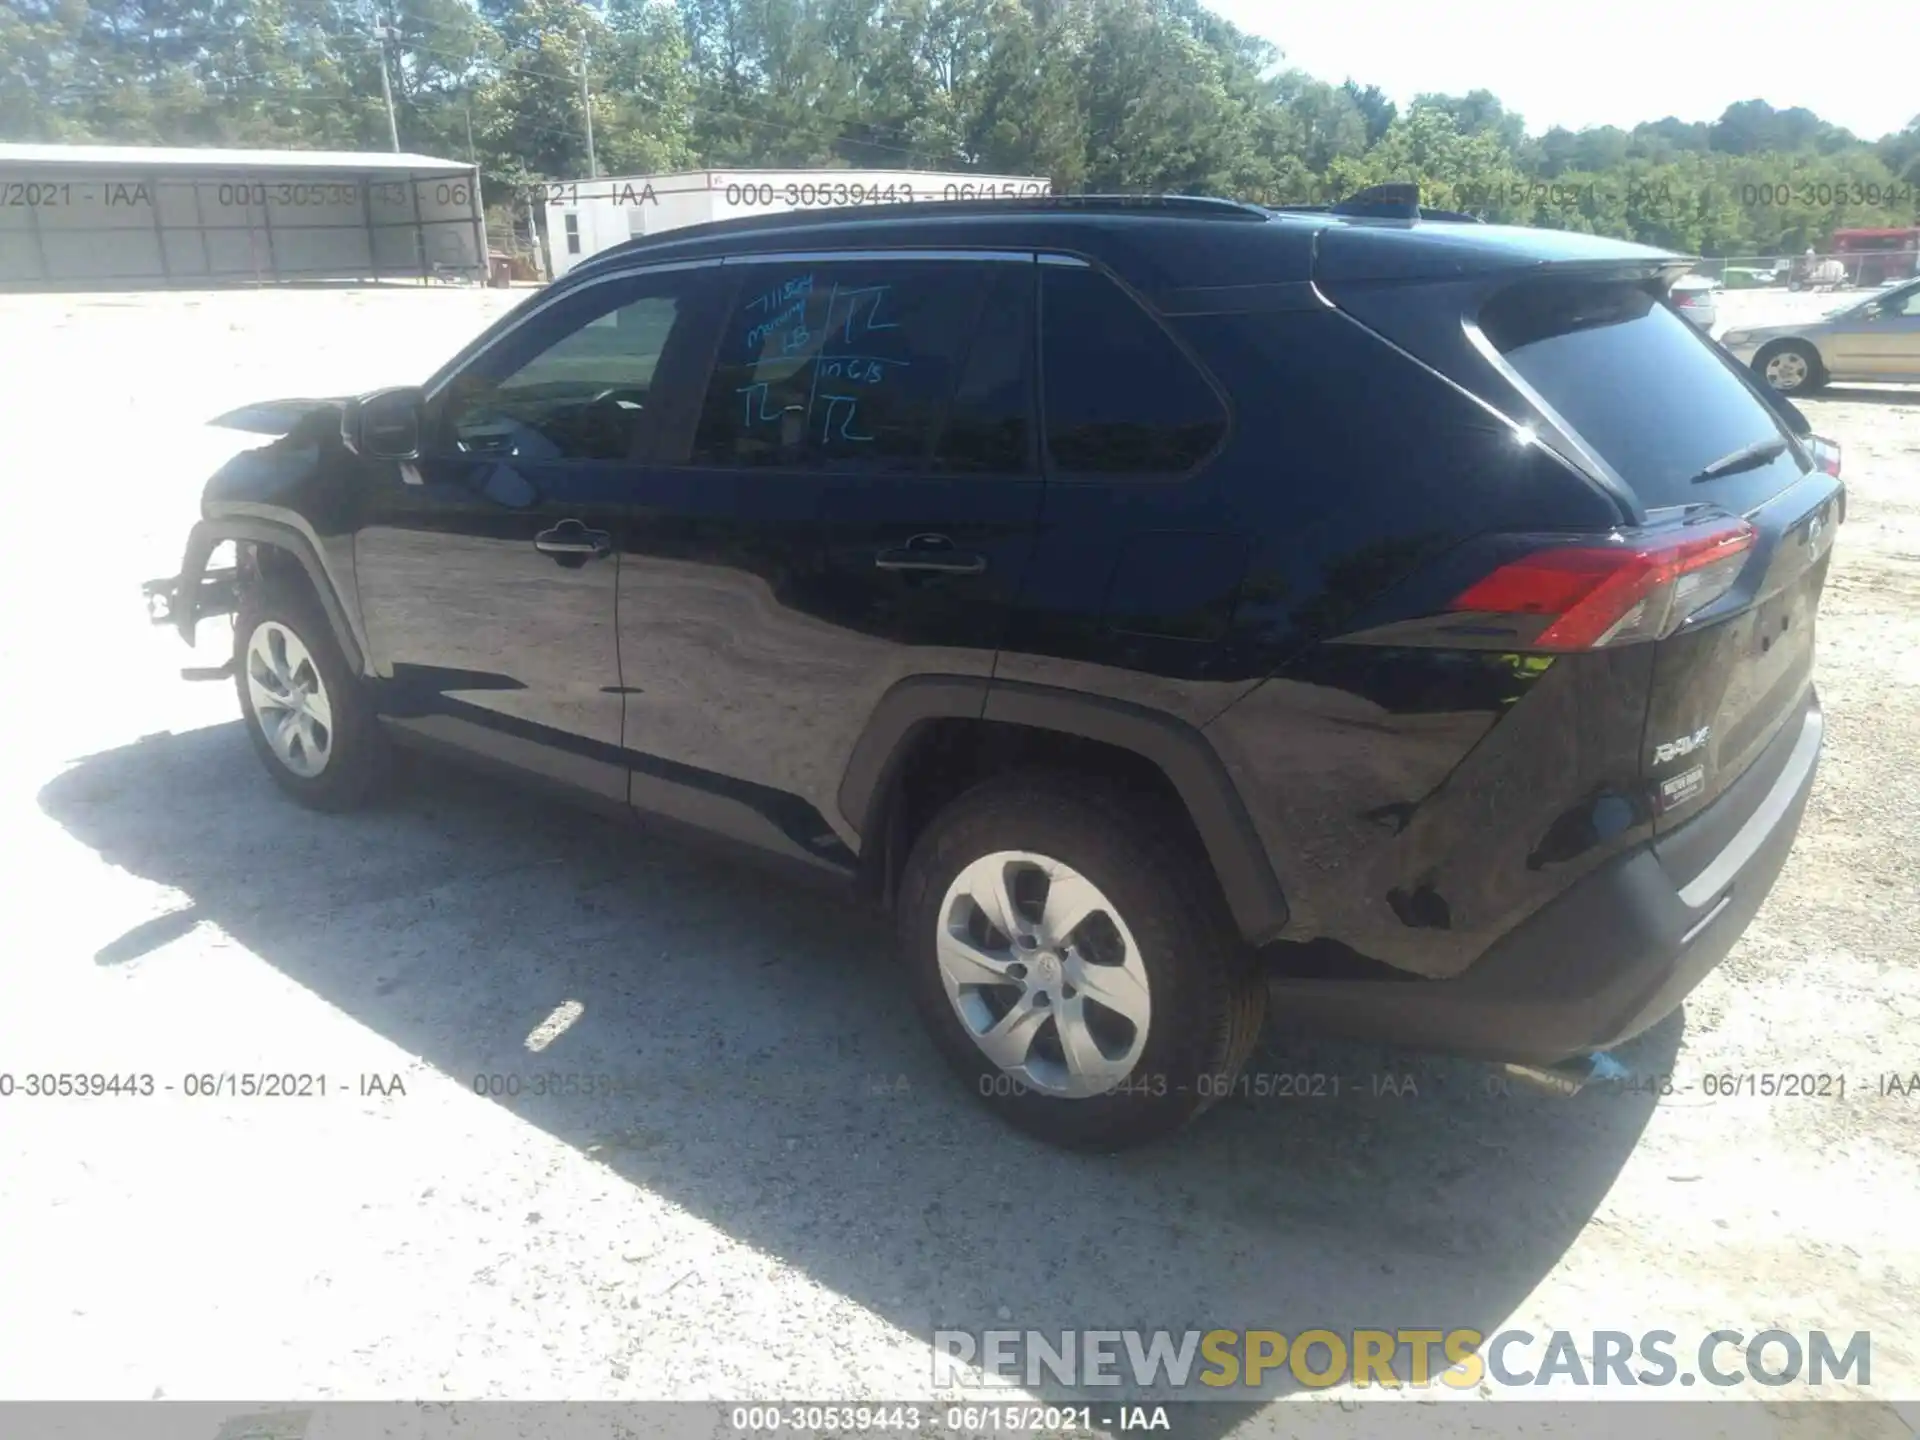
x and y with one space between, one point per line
1697 298
1873 339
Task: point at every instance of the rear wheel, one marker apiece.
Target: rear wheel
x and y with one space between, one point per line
307 714
1790 366
1075 968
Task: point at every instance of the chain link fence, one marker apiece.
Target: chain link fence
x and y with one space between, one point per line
1834 270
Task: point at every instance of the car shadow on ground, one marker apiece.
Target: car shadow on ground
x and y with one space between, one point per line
766 1072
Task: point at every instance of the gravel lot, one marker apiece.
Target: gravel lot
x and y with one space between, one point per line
789 1196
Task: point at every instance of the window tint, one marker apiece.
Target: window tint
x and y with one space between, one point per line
840 365
1640 386
987 426
1121 397
581 398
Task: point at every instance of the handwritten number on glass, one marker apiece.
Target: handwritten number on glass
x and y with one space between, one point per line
780 315
834 404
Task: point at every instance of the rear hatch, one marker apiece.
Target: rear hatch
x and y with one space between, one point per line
1727 517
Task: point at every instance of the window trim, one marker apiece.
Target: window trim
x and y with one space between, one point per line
866 257
518 320
1228 432
676 449
558 293
647 440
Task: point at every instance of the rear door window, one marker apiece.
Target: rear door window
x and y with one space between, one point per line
988 428
1121 397
843 365
1640 386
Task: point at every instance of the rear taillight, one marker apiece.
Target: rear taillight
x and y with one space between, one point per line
1685 299
1826 455
1638 588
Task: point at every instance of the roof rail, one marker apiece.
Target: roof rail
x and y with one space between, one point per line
1398 200
1204 205
1195 206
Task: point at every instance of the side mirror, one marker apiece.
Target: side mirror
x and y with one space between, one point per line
384 425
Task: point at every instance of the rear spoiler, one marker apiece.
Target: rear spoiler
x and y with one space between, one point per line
1398 200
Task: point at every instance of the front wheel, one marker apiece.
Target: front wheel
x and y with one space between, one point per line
1791 367
1074 967
307 714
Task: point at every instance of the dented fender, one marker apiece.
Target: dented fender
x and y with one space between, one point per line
287 494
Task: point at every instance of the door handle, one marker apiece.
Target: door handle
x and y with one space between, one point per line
571 539
931 555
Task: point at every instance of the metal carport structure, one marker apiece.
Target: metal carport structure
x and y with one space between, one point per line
73 216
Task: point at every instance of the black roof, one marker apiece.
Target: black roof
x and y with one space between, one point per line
1155 242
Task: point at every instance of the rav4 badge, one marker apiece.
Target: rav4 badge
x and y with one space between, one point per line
1685 745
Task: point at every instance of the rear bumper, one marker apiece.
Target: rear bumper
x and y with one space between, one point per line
1611 956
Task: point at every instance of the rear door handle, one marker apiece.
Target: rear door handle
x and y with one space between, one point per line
571 539
931 555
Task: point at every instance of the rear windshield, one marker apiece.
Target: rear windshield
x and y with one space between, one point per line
1641 386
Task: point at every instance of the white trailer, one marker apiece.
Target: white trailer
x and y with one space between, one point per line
587 216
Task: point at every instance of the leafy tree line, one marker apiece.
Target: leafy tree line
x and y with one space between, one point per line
1100 95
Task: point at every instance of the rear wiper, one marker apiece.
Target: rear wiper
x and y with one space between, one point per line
1747 457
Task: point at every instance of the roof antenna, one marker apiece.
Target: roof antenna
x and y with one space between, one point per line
1396 200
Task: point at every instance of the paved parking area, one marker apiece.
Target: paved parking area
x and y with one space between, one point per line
771 1189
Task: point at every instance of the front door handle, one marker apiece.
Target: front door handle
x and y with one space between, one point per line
572 540
931 555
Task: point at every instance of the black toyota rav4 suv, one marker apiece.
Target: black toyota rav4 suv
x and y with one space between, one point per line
1172 610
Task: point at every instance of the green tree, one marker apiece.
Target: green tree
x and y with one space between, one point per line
1374 107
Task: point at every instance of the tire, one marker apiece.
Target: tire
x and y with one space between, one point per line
1159 918
1775 366
333 752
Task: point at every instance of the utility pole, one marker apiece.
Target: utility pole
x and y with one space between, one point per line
586 104
472 158
382 31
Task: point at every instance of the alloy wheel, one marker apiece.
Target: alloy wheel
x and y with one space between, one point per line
290 703
1044 974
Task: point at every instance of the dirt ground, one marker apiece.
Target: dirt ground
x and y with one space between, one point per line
784 1196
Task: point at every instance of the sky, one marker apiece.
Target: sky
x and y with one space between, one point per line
1613 62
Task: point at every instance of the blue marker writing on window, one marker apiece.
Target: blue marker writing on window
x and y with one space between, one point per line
799 285
795 314
834 406
756 401
861 369
866 306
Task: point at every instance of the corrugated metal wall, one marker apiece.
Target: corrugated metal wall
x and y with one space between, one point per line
72 227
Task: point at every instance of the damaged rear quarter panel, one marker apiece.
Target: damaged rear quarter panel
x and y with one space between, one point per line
1418 804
